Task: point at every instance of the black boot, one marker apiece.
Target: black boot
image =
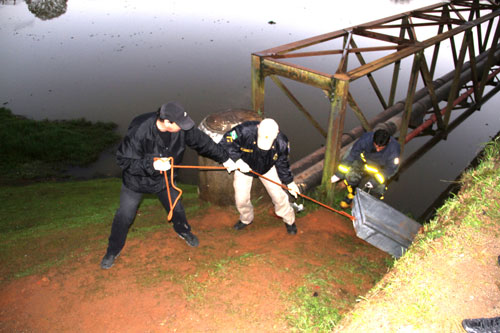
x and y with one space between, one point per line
482 325
240 225
108 260
291 229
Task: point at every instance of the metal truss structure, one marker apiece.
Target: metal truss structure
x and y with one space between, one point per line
472 29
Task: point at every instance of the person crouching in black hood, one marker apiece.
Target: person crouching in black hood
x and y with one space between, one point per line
161 134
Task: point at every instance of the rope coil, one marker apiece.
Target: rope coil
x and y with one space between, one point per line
172 206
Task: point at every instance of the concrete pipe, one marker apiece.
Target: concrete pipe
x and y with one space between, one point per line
216 187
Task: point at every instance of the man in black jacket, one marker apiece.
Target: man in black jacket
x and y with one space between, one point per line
160 134
261 147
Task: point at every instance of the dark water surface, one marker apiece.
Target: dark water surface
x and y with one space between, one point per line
112 60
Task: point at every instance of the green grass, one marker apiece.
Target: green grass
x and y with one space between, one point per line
318 303
319 194
61 217
313 310
38 149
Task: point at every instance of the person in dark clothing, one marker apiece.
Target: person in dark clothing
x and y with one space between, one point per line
372 160
261 147
142 155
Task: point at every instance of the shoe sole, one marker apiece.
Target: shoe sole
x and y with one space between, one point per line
108 267
192 245
242 227
291 231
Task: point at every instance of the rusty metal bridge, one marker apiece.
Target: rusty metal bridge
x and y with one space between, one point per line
432 106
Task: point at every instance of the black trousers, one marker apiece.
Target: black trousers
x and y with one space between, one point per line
125 215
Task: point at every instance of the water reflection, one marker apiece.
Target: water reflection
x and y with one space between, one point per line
47 9
112 60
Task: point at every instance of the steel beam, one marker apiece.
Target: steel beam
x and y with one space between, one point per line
463 20
257 85
338 104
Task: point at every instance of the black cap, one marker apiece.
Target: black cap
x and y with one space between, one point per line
175 113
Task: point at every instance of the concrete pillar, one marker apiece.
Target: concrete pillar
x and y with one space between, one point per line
216 186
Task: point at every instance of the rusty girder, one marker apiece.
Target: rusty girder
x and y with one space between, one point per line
470 26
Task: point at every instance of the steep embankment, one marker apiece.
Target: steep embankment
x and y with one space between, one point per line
451 272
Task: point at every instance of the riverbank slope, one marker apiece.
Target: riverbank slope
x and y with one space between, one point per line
451 272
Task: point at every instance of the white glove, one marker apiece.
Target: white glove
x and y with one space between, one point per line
162 164
242 166
293 189
334 179
369 185
230 165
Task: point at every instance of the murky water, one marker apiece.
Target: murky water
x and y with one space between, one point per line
111 60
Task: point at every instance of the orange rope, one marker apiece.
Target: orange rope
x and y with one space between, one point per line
198 167
223 168
171 212
305 196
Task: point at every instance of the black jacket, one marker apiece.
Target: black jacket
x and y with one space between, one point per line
142 143
241 142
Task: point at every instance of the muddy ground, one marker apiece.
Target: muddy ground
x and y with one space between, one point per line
259 279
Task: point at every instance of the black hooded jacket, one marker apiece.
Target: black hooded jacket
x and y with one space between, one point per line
142 143
241 142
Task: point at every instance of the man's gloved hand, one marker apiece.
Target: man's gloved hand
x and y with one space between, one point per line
369 185
162 164
293 189
242 166
230 165
334 179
